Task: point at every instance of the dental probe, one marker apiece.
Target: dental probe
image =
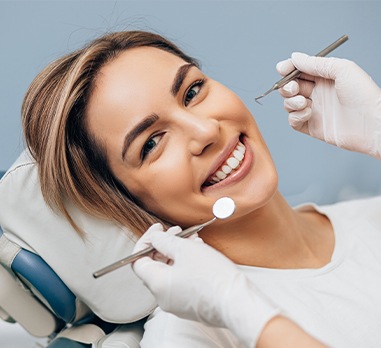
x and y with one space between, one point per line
223 208
294 74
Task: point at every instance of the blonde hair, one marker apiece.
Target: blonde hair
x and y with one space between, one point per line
72 163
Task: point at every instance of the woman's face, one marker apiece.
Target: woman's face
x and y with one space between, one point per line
170 131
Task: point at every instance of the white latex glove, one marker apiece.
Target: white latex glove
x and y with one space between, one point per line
340 104
201 284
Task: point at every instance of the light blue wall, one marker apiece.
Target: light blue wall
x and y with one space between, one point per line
239 44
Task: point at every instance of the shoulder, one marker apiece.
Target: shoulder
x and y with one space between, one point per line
165 330
366 208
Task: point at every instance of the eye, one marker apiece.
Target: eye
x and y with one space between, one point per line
193 91
150 145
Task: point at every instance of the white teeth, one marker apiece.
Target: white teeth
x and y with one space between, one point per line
232 162
226 169
241 147
238 155
221 175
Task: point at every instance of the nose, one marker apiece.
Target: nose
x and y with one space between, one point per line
201 131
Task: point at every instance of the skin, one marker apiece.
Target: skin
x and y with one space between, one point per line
283 333
195 130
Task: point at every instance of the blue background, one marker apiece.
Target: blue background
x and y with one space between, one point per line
238 43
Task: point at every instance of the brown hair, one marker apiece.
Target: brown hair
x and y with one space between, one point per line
72 163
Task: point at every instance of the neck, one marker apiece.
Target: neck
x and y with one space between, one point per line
274 236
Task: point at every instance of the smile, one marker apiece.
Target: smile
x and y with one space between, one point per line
230 166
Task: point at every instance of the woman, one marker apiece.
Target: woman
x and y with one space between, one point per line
133 131
183 277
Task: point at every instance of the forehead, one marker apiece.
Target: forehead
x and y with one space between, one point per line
136 83
143 63
132 76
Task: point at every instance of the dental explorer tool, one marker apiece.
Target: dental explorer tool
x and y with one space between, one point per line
223 208
296 73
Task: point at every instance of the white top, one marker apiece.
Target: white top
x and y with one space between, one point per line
339 304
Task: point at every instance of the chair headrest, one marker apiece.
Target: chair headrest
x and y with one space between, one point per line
118 297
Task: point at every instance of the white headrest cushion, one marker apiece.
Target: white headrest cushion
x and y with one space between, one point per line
119 296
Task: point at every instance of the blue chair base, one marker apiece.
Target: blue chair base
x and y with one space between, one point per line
62 342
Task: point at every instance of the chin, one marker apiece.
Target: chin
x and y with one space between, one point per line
258 194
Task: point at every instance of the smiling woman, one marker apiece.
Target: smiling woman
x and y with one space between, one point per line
131 130
193 127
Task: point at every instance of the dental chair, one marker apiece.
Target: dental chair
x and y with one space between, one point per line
51 299
32 295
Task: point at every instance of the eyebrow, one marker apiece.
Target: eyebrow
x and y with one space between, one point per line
137 130
179 78
151 119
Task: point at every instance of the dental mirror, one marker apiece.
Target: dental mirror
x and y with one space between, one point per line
223 208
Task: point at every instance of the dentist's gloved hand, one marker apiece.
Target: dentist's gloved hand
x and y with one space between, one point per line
334 100
196 282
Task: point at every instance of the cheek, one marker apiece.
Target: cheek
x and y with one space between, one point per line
162 188
263 184
227 99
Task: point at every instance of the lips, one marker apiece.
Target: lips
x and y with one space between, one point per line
229 166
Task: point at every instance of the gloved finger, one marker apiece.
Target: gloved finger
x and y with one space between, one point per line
289 90
284 67
296 103
298 120
174 230
168 245
156 255
145 261
305 87
145 239
177 229
150 272
196 238
315 66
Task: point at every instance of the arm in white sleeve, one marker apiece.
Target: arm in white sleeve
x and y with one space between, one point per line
334 100
196 282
